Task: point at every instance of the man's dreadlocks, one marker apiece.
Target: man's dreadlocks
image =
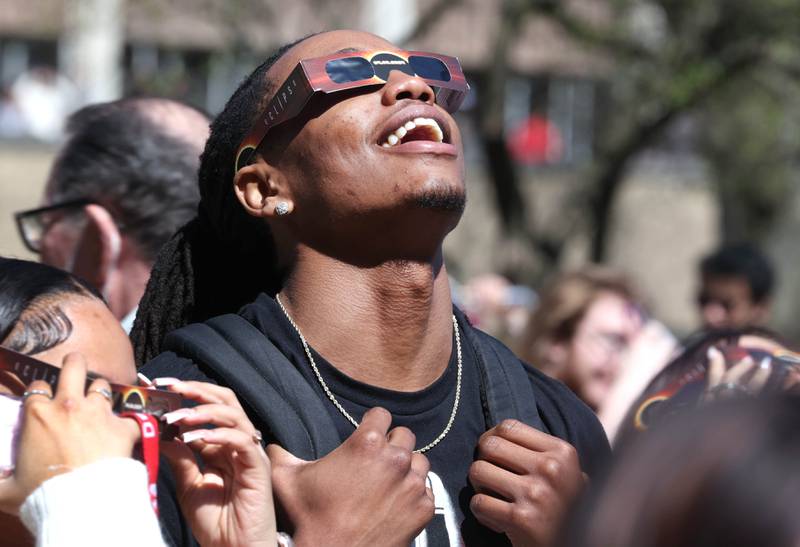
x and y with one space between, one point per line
222 258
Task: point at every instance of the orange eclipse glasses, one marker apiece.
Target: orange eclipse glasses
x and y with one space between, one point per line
125 398
343 71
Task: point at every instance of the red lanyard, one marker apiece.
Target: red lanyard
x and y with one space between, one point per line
149 428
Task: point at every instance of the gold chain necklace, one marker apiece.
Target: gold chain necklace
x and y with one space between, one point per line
347 415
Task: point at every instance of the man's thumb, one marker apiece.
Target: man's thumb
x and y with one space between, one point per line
278 456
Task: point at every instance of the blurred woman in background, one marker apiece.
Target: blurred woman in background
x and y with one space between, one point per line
581 329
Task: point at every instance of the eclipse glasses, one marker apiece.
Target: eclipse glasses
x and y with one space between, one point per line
343 71
125 398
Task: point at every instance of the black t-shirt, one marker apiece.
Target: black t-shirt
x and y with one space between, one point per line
424 412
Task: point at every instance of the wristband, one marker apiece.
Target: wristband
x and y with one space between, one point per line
149 428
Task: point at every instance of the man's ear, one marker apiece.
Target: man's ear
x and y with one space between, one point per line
260 187
98 247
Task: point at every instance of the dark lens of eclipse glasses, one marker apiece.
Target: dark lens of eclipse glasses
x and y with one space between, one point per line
350 69
429 68
355 69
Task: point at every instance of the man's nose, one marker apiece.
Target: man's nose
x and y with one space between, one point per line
400 86
714 315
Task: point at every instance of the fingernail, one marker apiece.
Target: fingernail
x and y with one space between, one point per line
177 415
195 435
144 379
164 382
766 363
712 352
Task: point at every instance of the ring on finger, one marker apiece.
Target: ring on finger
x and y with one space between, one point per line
258 438
36 392
104 392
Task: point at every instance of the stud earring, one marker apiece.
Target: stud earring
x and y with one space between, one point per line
282 208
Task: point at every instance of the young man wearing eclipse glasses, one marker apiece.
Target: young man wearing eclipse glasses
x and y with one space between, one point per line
329 183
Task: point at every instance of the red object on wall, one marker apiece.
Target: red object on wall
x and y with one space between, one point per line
535 141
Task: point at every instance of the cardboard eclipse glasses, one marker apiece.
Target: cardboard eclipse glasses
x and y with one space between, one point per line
125 398
343 71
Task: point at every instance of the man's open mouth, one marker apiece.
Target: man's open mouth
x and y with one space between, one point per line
418 129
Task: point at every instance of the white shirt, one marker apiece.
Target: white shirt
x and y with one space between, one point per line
127 321
100 504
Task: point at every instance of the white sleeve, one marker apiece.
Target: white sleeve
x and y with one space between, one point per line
100 504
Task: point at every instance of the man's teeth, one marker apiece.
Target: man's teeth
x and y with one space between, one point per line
434 132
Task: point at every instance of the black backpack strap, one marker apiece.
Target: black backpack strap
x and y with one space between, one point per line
274 393
506 391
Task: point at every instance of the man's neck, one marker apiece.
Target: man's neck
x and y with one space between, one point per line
388 326
127 286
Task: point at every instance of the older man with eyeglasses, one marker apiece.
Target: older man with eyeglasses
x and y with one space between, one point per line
121 185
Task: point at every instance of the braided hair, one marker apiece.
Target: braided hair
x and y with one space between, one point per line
32 319
222 258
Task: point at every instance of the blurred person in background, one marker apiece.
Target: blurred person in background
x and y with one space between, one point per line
44 98
122 184
12 124
736 285
496 305
645 357
725 475
582 327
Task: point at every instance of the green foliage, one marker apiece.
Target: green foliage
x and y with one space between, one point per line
751 139
717 61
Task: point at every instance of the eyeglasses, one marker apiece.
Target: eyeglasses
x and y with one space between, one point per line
34 223
343 71
704 299
606 344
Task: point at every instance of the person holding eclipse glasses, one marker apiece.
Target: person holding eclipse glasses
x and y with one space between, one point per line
66 465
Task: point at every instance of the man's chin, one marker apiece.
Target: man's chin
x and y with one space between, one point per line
446 199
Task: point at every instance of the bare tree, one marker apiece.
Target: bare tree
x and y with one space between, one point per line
697 57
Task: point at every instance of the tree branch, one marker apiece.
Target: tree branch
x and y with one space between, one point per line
609 179
589 35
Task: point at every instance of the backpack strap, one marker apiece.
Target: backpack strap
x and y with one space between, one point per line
274 393
280 401
505 387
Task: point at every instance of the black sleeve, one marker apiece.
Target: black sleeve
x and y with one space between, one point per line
174 527
568 418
